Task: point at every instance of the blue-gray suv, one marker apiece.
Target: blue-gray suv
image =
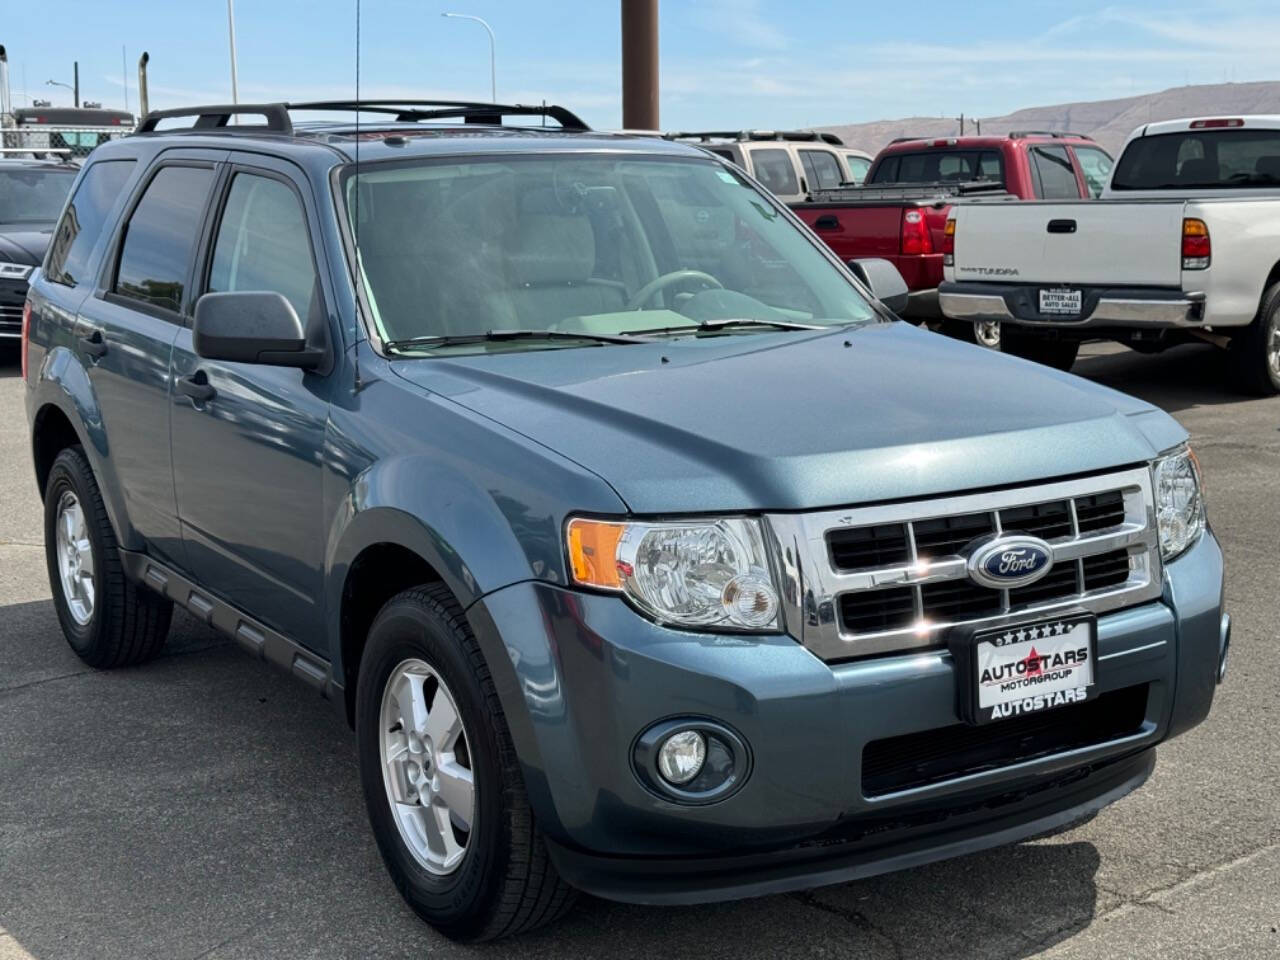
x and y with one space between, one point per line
646 552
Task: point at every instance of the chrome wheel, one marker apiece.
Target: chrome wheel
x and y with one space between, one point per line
986 333
426 766
75 559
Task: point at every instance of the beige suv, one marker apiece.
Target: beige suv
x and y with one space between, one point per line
788 163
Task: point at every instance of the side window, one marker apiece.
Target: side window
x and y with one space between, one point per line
82 223
1054 171
774 169
263 244
161 235
1095 164
858 167
822 168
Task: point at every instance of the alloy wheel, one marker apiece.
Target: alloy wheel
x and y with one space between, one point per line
426 766
75 559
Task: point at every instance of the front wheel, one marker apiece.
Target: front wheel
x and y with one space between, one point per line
1059 354
1256 349
441 778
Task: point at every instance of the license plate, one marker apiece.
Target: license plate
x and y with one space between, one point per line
1060 301
1027 668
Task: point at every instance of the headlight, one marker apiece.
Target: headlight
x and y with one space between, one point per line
1179 501
697 573
14 271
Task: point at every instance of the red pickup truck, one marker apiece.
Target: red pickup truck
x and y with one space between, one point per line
901 211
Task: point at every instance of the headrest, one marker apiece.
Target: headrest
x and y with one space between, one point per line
553 248
1268 166
1198 170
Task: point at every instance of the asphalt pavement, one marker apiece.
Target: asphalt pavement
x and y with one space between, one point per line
206 806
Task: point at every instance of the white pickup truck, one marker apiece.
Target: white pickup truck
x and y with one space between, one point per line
1184 243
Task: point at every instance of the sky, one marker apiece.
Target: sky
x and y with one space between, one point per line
724 63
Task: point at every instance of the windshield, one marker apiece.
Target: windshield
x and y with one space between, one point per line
33 196
593 243
1211 159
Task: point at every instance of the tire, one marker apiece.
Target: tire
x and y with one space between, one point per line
122 623
1255 350
1059 354
985 333
504 882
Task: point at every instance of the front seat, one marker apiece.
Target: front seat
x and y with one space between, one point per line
550 271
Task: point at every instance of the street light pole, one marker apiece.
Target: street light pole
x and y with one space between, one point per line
59 83
231 33
493 67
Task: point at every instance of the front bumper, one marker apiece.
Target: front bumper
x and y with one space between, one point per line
582 675
1154 308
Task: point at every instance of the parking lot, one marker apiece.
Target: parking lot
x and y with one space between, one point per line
205 806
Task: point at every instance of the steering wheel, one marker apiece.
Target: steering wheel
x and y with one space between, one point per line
645 293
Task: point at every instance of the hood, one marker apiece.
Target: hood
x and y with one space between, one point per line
802 421
24 242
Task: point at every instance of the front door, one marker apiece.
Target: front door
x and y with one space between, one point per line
248 460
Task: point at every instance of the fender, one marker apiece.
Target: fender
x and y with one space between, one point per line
63 383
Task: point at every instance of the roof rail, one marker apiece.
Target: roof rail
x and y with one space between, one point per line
1055 134
800 136
930 137
465 110
218 117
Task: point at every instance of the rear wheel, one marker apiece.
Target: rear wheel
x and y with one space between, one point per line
108 620
1255 350
1059 354
441 779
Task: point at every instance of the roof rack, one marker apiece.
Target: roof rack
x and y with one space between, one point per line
801 136
276 115
1055 134
465 110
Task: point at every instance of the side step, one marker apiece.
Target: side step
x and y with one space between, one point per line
259 640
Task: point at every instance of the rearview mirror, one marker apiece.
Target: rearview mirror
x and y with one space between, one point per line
252 327
883 280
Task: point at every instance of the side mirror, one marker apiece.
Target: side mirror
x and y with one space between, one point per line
883 280
252 327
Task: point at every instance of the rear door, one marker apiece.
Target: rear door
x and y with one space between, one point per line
1076 243
125 332
248 461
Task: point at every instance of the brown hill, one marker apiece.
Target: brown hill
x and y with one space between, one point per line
1107 121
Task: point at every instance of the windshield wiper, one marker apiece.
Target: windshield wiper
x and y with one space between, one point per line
491 336
713 325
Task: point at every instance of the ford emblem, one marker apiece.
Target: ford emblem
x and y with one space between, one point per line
1012 561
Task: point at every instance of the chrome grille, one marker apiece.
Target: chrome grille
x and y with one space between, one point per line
894 578
10 319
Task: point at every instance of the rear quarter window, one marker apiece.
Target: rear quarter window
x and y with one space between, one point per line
82 222
774 169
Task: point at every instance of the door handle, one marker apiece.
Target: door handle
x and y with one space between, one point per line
828 221
196 387
1062 226
94 345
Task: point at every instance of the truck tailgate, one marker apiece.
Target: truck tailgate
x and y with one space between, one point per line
1087 242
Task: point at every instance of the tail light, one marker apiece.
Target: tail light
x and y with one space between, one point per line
26 334
949 243
1195 244
915 233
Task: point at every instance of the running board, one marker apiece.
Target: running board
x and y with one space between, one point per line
258 640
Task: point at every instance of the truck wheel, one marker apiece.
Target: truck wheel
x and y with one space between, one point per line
108 620
441 778
1256 348
1059 354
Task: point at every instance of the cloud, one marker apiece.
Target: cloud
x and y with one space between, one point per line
741 22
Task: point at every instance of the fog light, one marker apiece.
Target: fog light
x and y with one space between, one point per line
681 756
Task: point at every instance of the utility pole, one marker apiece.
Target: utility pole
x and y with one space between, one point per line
77 84
961 119
640 64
